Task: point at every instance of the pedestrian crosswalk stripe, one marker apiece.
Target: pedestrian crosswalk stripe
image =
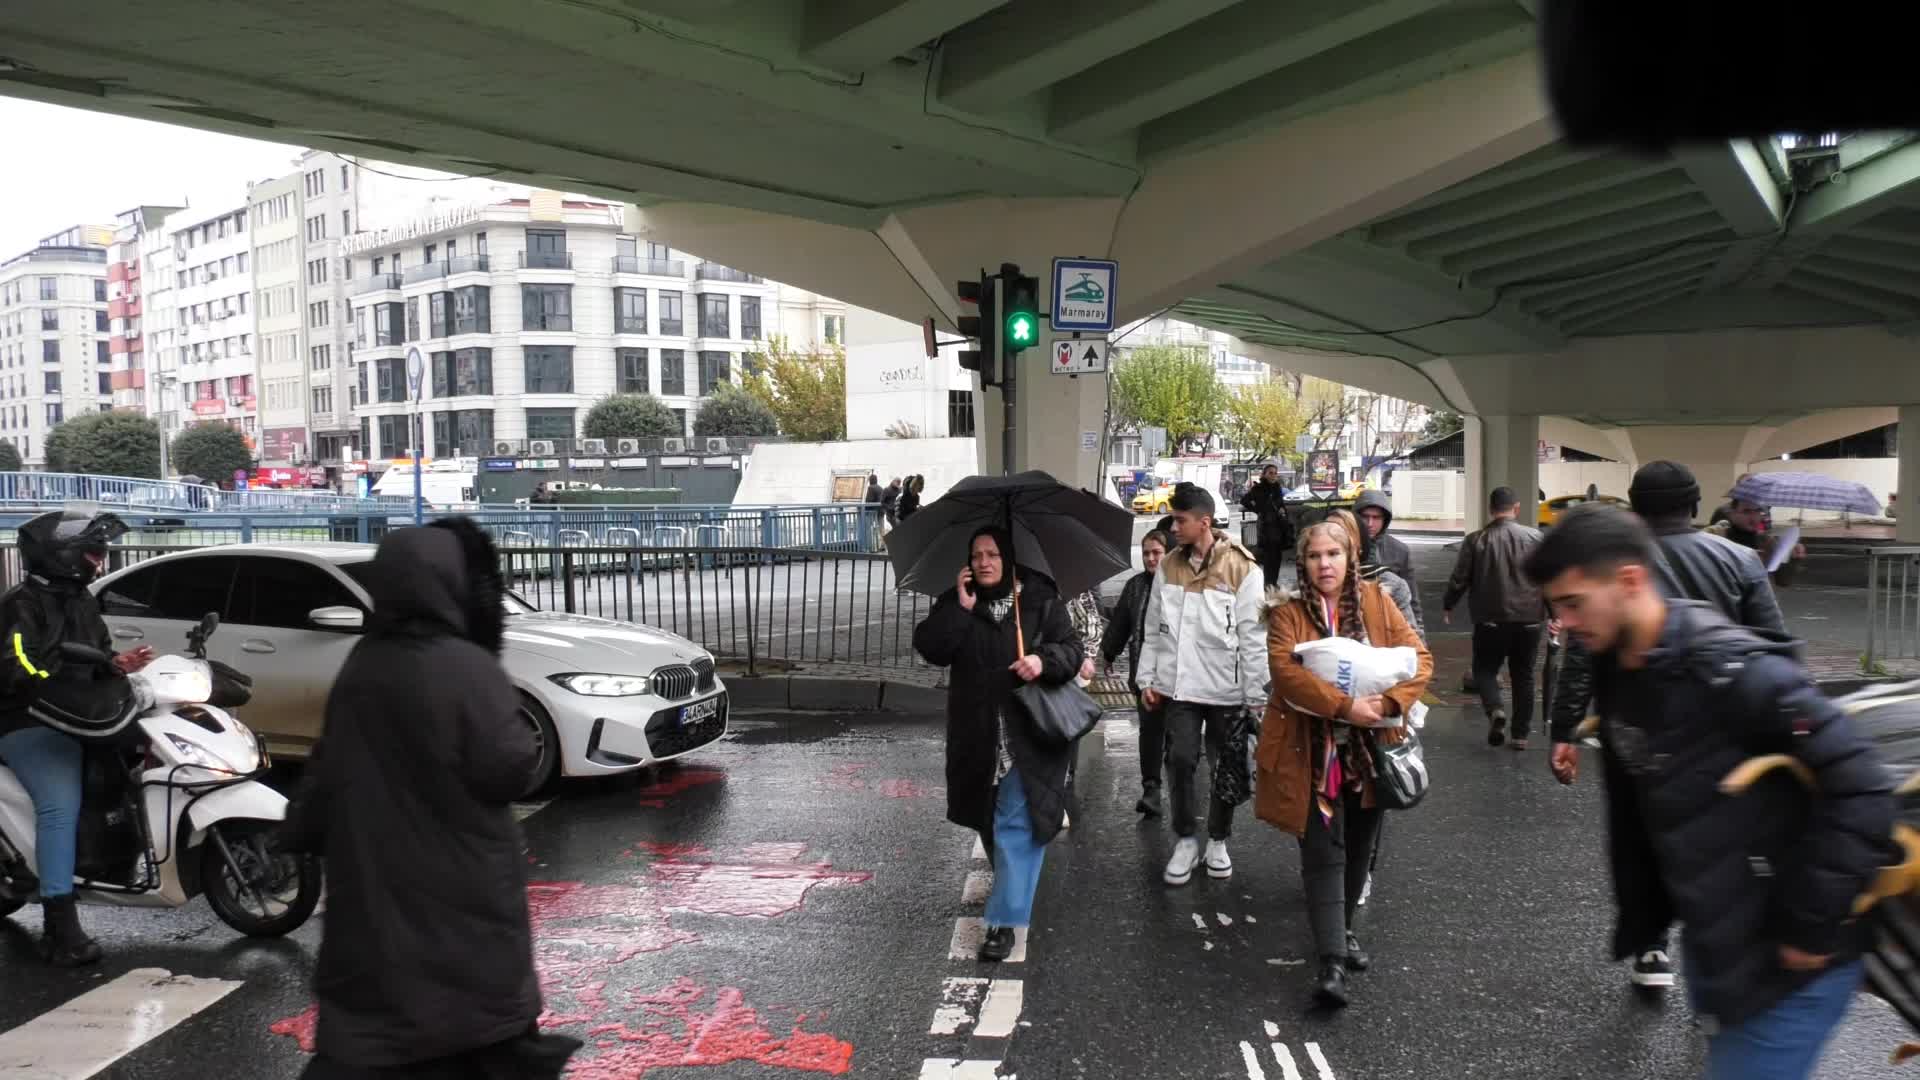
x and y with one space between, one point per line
524 810
105 1024
978 886
979 850
955 1069
1319 1061
969 933
1288 1069
1252 1059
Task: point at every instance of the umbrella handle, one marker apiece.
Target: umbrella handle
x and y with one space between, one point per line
1019 632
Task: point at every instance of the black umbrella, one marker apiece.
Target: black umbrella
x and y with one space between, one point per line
1073 536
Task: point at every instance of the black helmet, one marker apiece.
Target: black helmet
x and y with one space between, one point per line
69 545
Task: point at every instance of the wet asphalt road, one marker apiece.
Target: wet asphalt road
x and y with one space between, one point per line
784 903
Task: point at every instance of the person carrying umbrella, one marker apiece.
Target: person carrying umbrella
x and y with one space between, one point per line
1748 524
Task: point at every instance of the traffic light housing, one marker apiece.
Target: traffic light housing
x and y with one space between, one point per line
1020 311
983 328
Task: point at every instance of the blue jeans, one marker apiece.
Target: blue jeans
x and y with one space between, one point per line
1784 1043
1016 858
48 764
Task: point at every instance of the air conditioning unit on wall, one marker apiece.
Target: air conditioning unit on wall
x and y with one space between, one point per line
503 448
593 447
540 447
626 447
673 446
716 446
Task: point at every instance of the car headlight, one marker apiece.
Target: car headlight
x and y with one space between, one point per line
593 685
205 758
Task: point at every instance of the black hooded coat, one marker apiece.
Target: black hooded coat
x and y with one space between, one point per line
428 951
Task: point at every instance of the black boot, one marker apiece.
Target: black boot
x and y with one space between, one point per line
1149 803
66 945
1357 960
1330 990
998 944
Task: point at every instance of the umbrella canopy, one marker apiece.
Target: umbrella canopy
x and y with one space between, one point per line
1072 536
1805 491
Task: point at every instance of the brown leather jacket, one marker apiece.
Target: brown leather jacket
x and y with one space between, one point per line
1283 791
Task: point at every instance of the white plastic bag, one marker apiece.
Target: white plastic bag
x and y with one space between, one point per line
1358 670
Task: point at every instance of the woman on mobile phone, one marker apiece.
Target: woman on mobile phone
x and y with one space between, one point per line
1002 782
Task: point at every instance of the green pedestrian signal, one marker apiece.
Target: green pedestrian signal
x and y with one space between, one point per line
1021 330
1022 310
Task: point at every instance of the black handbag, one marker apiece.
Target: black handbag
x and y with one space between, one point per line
1399 772
1059 713
1233 773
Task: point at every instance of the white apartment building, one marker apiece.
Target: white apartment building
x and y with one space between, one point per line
213 310
811 321
160 331
527 311
126 304
278 225
55 359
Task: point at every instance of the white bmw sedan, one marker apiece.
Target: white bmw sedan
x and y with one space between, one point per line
601 696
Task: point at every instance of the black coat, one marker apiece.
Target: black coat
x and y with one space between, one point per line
1128 626
427 951
1268 503
980 651
1749 873
38 684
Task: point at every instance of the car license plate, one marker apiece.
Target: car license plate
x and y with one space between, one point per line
698 711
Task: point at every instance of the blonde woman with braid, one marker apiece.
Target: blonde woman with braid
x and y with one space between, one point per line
1315 767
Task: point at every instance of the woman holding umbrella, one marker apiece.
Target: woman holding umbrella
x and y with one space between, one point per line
1002 782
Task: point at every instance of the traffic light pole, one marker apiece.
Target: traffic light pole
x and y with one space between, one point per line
1006 405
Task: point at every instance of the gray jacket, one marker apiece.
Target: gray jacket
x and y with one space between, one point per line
1489 574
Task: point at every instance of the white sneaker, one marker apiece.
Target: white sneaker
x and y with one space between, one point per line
1180 867
1219 863
1066 820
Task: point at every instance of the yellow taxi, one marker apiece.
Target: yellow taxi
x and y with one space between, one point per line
1153 500
1551 509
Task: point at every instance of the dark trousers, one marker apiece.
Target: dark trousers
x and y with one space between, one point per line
1188 726
1153 741
1273 559
1335 859
1517 645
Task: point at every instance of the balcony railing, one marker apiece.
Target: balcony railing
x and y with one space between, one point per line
546 260
469 264
707 271
672 328
633 264
533 321
376 283
630 326
425 272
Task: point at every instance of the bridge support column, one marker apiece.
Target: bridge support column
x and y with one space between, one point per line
1907 524
1502 451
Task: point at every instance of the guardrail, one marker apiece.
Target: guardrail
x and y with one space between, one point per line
52 489
761 606
1893 605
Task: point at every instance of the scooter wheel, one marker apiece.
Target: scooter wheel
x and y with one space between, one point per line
275 891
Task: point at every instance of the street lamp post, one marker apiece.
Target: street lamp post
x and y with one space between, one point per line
166 381
415 366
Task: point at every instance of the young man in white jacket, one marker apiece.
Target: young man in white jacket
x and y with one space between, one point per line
1204 655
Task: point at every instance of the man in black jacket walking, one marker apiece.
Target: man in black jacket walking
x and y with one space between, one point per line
1764 881
1507 613
1267 501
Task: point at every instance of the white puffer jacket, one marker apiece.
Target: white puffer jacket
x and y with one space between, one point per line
1206 631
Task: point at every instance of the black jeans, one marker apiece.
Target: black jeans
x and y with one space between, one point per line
1273 559
1188 724
1335 859
1153 741
1516 645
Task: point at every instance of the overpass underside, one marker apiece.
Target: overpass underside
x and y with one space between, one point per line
1370 190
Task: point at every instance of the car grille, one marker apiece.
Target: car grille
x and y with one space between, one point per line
676 681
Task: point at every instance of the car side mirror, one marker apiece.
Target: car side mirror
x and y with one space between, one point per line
338 618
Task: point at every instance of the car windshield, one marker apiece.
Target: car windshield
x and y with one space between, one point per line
360 570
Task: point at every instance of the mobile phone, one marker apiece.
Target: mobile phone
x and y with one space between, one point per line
966 582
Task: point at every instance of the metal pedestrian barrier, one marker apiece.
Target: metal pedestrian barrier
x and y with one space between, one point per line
1893 605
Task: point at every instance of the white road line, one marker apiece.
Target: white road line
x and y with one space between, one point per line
1278 962
959 1005
1319 1061
968 933
1250 918
1254 1071
524 810
979 850
1199 922
105 1024
1288 1070
1001 1012
1225 920
955 1069
976 888
1273 1030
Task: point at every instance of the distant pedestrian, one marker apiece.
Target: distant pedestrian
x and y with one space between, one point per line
1751 526
1593 492
1508 614
1203 658
873 511
1124 632
1002 781
910 496
1266 500
1380 550
890 502
426 964
1763 881
1315 757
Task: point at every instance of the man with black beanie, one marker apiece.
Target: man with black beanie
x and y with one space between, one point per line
1694 565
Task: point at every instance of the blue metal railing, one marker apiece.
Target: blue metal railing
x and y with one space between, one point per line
53 489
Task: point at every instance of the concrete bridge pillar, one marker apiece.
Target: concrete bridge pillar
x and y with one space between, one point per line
1907 524
1502 451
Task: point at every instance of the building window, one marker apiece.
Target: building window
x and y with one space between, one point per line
673 371
49 318
52 381
658 252
99 291
547 249
680 420
323 400
632 371
360 327
317 229
959 414
715 319
432 249
389 324
480 243
395 435
750 318
833 328
413 318
317 313
346 223
549 369
546 307
713 371
472 372
102 353
100 321
106 382
54 414
670 323
346 174
439 314
390 380
556 424
471 308
441 364
321 358
317 272
630 311
49 288
49 352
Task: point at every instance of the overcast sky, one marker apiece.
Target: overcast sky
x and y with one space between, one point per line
86 167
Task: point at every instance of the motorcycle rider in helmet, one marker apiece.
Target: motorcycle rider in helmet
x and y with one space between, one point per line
50 704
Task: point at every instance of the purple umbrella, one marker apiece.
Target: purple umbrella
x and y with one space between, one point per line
1805 491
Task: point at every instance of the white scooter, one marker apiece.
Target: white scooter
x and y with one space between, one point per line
177 810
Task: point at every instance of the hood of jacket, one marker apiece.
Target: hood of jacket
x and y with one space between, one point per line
443 579
1376 500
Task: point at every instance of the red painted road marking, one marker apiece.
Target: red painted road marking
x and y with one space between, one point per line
657 793
676 1033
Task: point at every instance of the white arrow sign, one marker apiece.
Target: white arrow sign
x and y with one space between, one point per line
1083 357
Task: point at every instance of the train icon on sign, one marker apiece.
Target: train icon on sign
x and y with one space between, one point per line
1086 290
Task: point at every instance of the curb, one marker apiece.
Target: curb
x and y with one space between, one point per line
805 693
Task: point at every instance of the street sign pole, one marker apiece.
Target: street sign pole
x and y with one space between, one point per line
414 372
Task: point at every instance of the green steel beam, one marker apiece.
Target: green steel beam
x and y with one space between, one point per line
1533 192
1733 176
1029 45
1857 299
1350 252
1866 191
1602 317
1539 162
859 35
1665 285
1872 253
1653 189
1211 56
1406 54
1607 255
1898 225
1561 309
1678 208
1693 256
1872 277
